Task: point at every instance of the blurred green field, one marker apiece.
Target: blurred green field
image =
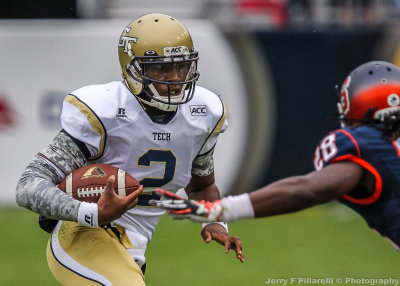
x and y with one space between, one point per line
326 241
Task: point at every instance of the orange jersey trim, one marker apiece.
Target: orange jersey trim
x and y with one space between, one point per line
396 147
378 180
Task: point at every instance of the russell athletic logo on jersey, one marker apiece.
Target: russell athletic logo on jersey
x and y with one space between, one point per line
198 110
121 112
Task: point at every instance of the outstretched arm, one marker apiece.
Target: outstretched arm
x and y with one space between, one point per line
300 192
284 196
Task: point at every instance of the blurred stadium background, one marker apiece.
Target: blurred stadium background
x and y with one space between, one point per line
274 62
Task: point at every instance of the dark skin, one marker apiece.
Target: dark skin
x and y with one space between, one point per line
111 206
204 188
172 76
300 192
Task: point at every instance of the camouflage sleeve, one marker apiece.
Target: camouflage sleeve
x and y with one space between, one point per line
203 165
37 190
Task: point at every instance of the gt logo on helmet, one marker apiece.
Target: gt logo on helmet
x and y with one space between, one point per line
125 41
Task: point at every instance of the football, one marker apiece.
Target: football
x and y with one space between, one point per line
89 182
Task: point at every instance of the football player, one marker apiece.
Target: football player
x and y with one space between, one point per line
359 164
145 126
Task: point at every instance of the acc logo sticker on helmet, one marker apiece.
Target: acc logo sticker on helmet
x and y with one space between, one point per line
175 50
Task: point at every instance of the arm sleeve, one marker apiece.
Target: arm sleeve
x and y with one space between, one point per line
203 165
37 190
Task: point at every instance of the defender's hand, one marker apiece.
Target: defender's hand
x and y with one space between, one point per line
180 208
219 234
112 206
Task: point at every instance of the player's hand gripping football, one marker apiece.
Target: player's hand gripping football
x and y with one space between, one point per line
180 208
112 206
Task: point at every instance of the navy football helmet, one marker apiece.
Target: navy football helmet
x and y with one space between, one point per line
372 89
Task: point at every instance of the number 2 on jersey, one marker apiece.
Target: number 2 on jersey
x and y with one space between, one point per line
325 151
166 157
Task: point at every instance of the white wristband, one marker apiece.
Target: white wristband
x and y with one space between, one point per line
88 214
237 207
223 224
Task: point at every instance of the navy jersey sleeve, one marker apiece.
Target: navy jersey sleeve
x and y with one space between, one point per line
338 145
342 145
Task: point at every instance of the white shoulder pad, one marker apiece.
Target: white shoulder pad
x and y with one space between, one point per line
214 108
83 113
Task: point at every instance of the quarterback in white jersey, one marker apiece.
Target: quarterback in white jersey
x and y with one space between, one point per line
157 126
115 127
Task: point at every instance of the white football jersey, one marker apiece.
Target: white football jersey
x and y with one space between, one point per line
117 131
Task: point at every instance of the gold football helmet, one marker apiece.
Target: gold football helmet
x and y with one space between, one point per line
152 46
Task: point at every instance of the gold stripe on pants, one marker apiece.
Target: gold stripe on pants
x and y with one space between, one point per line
79 255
